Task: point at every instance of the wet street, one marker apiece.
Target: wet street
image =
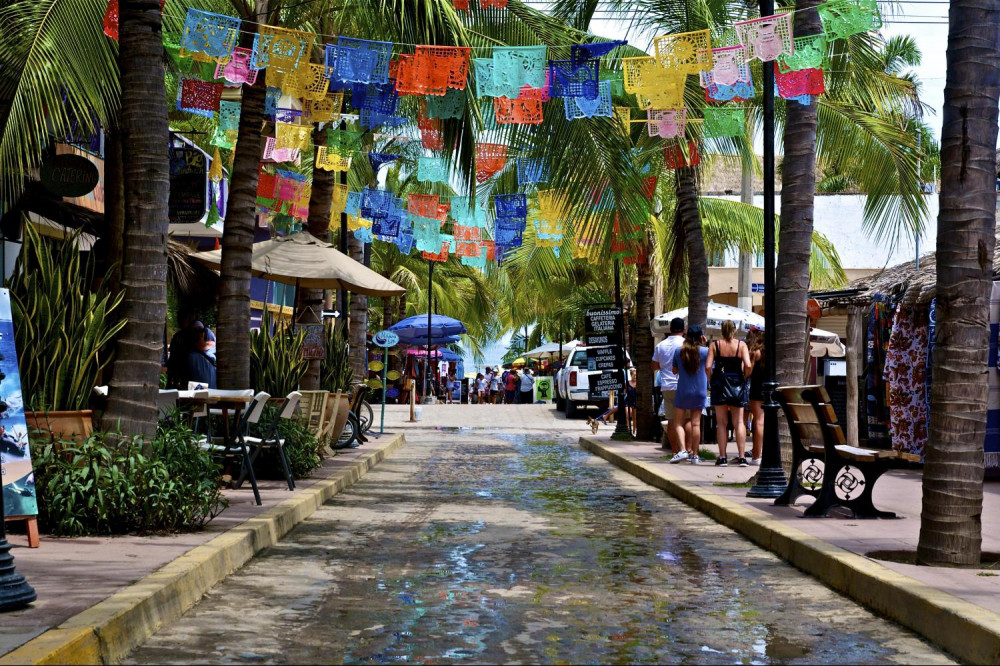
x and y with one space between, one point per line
482 546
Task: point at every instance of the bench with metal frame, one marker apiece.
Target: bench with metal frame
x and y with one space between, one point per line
849 472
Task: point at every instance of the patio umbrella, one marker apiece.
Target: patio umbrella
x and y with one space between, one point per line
435 340
414 330
550 349
303 260
717 313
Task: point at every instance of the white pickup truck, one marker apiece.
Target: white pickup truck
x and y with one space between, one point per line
573 383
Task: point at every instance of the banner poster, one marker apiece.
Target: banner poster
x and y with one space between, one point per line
314 343
543 389
15 456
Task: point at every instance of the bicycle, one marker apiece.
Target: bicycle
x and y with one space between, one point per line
359 420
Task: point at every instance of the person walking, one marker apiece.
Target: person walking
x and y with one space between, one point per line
727 368
755 344
450 388
663 360
692 391
527 387
495 388
510 387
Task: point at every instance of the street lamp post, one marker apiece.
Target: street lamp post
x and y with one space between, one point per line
428 400
771 480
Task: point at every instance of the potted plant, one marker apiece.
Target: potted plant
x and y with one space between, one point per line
336 376
61 329
276 362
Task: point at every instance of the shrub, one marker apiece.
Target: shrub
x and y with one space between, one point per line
276 363
336 373
300 447
95 487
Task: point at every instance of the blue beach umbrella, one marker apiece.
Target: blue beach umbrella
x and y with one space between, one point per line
414 330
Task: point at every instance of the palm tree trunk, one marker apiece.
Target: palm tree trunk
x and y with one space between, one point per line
950 520
643 340
318 224
359 316
237 240
689 219
133 390
798 188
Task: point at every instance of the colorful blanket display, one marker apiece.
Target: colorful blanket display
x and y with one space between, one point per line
905 377
877 403
517 84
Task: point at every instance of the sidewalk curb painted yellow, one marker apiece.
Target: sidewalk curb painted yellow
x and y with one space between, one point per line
108 631
968 631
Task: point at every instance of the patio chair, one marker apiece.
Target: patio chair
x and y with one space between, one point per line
314 411
273 438
166 402
236 444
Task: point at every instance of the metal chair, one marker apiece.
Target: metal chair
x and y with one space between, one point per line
273 438
237 445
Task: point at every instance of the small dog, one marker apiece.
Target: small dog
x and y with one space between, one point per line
594 425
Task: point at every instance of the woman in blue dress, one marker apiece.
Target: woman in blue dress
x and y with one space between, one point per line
692 390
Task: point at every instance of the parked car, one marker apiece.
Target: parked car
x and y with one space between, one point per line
573 383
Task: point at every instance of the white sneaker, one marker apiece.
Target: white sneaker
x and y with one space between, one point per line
680 457
755 462
694 460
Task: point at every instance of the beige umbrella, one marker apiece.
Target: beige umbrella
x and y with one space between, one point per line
303 260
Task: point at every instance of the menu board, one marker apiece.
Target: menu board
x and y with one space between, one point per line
188 201
15 455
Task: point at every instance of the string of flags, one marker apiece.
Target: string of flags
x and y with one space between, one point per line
516 83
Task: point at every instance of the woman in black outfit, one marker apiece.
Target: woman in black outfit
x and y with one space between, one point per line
728 366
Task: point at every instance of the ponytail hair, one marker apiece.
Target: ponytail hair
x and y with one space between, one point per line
691 353
728 330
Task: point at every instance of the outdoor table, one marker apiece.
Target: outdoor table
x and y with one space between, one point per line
231 405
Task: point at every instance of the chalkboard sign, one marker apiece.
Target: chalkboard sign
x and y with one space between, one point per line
604 383
314 344
605 358
597 339
599 320
188 185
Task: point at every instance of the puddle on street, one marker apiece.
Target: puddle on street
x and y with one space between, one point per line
486 548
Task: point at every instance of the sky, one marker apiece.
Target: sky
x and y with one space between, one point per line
924 20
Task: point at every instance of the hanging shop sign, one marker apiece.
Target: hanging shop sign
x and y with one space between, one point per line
69 175
603 384
188 201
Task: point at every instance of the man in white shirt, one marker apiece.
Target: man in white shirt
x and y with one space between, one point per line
663 360
527 387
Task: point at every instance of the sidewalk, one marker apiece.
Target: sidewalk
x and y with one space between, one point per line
958 609
82 574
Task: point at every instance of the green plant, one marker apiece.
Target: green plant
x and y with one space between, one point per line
336 373
60 328
300 447
96 487
276 363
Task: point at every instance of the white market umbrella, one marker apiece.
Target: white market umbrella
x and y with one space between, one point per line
550 349
824 343
302 260
717 313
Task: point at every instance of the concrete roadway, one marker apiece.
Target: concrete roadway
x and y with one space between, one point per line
510 544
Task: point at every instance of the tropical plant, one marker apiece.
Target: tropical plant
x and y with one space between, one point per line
336 373
951 513
60 328
95 486
301 447
276 362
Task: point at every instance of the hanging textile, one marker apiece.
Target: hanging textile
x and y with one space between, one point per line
531 171
653 85
279 155
674 157
423 205
344 142
281 49
271 98
579 80
224 138
386 228
229 115
741 90
215 171
199 97
213 35
431 136
378 160
767 37
433 70
339 201
499 4
520 111
729 66
307 81
685 53
266 184
236 69
991 445
432 170
466 212
723 121
811 52
794 84
358 61
491 158
667 123
449 105
110 23
324 110
461 5
624 116
905 378
439 256
581 52
483 69
843 18
353 205
292 137
328 160
510 205
288 186
584 107
879 329
515 67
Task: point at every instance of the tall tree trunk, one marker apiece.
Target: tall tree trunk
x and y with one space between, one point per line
133 390
798 188
318 224
689 219
643 340
237 237
951 516
400 308
359 316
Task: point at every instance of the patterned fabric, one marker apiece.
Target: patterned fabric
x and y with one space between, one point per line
906 377
877 404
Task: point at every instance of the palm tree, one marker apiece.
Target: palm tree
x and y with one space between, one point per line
950 519
144 133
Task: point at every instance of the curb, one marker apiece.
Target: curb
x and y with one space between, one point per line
967 631
108 631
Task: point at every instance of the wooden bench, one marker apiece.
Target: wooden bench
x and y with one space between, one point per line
849 472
